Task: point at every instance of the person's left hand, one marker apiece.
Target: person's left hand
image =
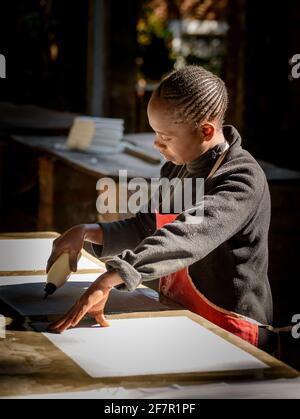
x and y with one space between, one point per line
92 302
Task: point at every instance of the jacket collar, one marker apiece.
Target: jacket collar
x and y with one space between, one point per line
204 163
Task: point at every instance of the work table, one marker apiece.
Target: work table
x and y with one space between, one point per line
30 364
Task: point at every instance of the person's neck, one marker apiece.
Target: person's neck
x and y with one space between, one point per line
218 139
204 160
209 145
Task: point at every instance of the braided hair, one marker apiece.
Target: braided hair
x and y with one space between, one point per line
197 94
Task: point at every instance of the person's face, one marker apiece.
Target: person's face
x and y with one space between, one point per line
178 143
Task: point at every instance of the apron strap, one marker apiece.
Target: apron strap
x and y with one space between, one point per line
219 162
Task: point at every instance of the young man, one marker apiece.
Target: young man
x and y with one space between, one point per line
215 266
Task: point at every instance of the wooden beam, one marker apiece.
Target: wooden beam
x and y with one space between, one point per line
98 57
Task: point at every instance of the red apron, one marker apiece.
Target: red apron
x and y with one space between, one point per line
179 287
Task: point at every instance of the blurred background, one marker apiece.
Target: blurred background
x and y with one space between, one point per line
104 58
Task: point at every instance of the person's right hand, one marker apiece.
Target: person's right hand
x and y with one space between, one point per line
70 242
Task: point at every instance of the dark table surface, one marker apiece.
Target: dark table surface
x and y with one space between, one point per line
109 164
106 164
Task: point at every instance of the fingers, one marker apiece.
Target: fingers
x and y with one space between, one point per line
61 324
73 260
57 327
53 258
71 319
79 315
101 320
93 302
64 324
70 242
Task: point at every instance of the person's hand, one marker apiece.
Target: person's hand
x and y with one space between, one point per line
92 302
72 242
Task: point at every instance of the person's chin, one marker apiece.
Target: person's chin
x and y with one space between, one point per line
165 157
170 159
176 162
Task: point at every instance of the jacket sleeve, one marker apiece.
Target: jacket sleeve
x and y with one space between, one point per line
127 234
228 206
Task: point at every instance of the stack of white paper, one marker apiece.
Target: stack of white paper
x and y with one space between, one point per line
96 134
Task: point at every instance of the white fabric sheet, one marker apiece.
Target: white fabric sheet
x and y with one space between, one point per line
163 345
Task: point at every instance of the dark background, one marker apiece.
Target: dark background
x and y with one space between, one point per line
262 38
89 56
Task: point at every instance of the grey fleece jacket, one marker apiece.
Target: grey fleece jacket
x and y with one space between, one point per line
226 254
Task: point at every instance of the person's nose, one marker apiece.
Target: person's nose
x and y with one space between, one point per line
158 144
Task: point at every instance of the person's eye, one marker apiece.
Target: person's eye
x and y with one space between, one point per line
166 139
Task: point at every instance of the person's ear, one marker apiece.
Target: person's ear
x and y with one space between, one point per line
207 131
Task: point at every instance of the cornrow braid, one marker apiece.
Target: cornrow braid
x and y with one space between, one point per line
196 93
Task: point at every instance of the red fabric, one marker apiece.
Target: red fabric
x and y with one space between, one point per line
180 288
